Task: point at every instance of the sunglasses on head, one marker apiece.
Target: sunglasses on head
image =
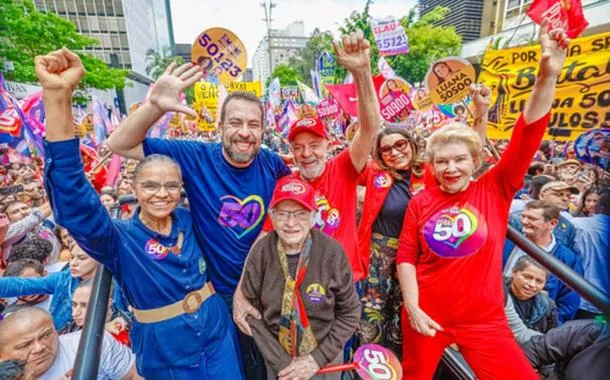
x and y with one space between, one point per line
400 145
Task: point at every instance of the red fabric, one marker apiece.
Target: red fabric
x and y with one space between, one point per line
567 14
336 201
347 97
456 240
491 351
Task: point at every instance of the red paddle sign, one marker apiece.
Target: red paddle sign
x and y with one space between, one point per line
371 362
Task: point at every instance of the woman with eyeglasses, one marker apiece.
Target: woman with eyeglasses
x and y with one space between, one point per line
301 282
391 178
182 328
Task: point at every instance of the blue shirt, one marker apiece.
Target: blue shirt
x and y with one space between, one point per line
592 244
60 284
564 231
229 204
149 275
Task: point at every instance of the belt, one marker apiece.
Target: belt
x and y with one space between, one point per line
189 304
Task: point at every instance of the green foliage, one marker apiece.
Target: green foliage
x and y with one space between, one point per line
156 63
427 43
288 75
26 33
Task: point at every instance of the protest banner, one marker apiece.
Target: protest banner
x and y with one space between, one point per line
328 108
221 54
290 93
395 99
421 99
582 96
390 36
207 98
326 68
448 80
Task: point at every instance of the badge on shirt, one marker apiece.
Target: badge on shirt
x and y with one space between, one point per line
382 180
455 232
327 218
155 249
315 293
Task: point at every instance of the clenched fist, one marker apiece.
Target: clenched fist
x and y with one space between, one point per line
61 70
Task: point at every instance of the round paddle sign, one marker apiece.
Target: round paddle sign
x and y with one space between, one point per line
221 54
448 80
377 363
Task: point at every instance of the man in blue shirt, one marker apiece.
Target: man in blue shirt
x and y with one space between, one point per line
183 328
229 184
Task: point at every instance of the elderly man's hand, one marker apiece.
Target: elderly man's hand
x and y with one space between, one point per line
301 368
355 54
241 310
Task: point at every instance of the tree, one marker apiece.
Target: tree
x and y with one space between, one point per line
288 75
25 33
307 59
156 63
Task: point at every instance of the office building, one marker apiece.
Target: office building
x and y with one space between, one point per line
465 15
125 29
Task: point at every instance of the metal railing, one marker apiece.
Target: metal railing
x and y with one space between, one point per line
87 359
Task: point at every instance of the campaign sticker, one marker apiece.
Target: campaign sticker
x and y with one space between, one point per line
155 249
315 293
382 180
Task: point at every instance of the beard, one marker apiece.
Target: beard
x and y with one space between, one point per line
312 172
241 157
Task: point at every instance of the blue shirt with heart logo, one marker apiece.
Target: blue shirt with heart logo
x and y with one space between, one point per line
228 204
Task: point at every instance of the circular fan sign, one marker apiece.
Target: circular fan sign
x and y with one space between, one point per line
221 54
448 80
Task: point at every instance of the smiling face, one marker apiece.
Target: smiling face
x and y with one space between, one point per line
18 211
535 226
310 154
441 69
292 222
242 131
560 198
107 201
453 166
395 151
158 189
31 338
528 282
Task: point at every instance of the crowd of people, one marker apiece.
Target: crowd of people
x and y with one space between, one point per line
249 253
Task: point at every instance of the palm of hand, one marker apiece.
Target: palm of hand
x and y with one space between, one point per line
166 92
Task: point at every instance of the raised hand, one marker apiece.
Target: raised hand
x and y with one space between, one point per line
355 54
165 94
554 46
61 70
481 98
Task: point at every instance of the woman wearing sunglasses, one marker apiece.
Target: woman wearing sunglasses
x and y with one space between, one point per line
391 177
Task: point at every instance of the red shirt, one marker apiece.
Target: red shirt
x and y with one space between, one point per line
336 201
456 240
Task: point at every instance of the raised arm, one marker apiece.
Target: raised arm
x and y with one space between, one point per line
76 205
530 127
481 98
127 139
355 56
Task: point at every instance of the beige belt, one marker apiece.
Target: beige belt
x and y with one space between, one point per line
190 304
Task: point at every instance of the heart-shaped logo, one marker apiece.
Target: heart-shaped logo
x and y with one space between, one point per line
455 232
241 216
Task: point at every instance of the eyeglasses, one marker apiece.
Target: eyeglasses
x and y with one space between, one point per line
400 145
154 187
283 216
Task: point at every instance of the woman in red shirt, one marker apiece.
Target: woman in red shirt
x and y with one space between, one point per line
450 251
391 177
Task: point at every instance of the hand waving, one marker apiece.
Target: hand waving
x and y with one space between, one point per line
554 46
355 54
165 94
60 70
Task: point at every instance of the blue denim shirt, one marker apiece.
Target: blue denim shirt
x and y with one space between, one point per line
148 273
60 284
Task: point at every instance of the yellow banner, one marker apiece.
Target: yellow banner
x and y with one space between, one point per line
206 100
582 98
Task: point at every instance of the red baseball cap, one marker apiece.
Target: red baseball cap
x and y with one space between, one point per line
307 124
295 190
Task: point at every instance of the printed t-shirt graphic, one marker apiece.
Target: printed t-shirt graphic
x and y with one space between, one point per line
455 232
241 216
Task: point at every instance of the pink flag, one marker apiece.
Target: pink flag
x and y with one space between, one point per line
114 169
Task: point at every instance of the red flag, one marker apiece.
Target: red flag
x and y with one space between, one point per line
346 95
565 14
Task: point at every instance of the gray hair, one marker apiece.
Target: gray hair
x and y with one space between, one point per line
152 159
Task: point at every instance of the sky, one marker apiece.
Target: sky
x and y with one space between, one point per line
245 17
